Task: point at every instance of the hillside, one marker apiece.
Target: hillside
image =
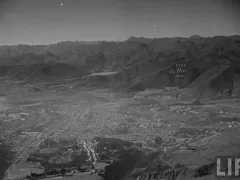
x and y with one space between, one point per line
142 62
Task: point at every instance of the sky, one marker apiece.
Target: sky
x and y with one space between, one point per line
51 21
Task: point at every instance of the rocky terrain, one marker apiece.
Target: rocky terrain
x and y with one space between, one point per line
121 110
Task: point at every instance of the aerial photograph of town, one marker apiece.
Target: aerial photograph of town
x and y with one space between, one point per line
119 89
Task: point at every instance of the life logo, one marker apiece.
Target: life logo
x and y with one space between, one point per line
228 166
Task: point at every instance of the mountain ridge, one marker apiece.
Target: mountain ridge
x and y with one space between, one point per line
136 59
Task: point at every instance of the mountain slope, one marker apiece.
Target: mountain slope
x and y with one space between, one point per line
145 61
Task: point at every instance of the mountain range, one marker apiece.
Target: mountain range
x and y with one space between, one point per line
209 62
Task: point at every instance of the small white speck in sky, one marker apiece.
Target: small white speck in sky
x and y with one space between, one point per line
154 26
61 4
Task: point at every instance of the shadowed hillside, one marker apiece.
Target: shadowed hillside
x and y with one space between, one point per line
143 63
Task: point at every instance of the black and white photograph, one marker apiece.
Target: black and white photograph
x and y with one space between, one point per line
119 89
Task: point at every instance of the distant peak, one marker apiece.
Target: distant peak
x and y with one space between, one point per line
139 39
135 38
195 37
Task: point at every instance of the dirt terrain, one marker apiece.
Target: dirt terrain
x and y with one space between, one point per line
30 117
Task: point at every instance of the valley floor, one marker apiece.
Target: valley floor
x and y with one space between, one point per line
28 118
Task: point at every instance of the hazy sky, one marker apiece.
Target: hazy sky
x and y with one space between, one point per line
46 21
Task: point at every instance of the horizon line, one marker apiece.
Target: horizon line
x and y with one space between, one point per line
99 41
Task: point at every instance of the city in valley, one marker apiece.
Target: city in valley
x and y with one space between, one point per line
119 110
